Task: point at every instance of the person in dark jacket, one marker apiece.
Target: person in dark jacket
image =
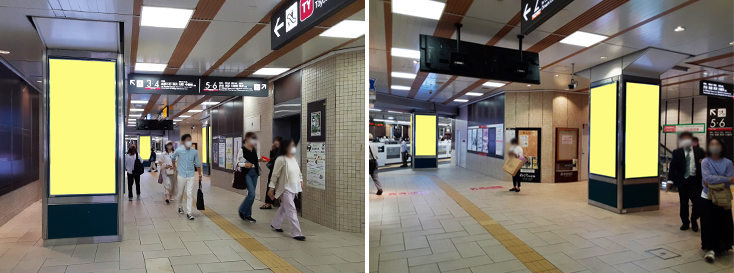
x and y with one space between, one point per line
152 160
685 172
274 152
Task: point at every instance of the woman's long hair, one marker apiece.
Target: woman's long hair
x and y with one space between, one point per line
284 146
165 148
132 150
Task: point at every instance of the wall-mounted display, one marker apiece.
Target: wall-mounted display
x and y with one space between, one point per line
603 130
316 165
716 89
642 123
316 121
488 139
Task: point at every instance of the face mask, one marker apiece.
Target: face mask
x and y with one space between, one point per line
715 149
293 150
188 144
685 143
253 141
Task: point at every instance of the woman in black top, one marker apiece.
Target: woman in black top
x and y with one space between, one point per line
273 155
248 163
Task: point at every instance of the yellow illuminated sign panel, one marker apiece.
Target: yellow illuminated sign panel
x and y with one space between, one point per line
425 135
90 81
603 130
144 147
203 145
641 130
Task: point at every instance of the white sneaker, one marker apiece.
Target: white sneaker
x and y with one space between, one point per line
709 257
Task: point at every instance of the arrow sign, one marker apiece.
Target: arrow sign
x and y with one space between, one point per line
539 12
132 82
712 112
278 26
525 13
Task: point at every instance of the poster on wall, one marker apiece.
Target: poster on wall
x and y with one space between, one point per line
528 140
499 147
237 146
316 165
222 150
485 140
720 120
228 153
479 140
215 150
473 139
317 121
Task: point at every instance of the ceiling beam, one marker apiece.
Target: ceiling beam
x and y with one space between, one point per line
388 43
453 13
196 103
205 11
151 104
246 38
714 58
684 74
697 79
137 7
345 13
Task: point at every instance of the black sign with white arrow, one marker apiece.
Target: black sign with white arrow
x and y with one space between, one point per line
296 17
536 12
194 85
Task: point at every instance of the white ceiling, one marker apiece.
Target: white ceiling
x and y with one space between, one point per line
709 30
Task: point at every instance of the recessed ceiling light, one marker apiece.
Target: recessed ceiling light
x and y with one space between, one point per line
679 29
39 81
390 118
405 53
556 75
346 29
210 103
493 84
4 52
460 100
150 67
705 73
400 87
528 85
136 110
138 101
403 75
732 43
603 57
375 110
270 71
195 111
473 94
165 17
580 38
177 120
419 8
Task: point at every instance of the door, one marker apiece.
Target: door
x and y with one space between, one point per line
584 166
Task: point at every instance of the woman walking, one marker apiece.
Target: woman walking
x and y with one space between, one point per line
286 183
167 171
516 152
132 158
274 153
247 161
717 227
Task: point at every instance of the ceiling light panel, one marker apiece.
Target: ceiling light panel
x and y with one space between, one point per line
346 29
165 17
270 71
405 53
419 8
585 39
150 67
402 75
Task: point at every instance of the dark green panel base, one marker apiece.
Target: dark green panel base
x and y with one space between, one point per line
640 195
82 220
420 163
603 192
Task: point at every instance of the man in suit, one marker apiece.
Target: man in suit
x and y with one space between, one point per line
685 171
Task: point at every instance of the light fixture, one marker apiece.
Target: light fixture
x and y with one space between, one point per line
556 75
270 71
419 8
379 120
402 75
195 111
165 17
346 29
460 100
732 43
679 29
705 73
394 112
473 94
603 57
405 53
177 120
375 110
4 52
39 81
136 110
210 103
138 101
585 39
493 84
528 85
400 87
150 67
390 117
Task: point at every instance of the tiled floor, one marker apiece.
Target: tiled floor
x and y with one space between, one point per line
158 239
417 227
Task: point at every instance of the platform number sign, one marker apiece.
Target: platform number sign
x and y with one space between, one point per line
720 119
296 17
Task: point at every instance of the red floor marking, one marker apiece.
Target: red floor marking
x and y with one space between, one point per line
486 188
407 193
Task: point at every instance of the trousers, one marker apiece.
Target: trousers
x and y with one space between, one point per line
186 189
287 211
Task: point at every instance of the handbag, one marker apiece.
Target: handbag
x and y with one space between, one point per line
169 172
160 179
200 199
238 180
373 162
138 166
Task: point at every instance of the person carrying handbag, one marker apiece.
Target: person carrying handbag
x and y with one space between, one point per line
286 183
134 168
168 173
187 162
248 163
373 166
274 153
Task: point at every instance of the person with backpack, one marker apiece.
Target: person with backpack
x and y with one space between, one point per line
134 168
373 165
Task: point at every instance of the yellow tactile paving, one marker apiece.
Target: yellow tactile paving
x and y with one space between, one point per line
531 259
265 255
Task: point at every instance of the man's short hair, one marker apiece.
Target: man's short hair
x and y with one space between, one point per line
685 134
184 137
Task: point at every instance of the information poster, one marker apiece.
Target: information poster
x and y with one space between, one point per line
316 165
528 141
237 146
215 150
473 139
498 150
317 121
486 140
479 140
222 150
228 153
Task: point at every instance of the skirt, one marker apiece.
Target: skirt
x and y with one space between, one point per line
717 227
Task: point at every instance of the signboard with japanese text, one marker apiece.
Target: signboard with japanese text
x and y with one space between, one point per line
296 17
194 85
535 12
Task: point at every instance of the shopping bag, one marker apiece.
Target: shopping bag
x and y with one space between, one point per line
513 165
160 178
200 199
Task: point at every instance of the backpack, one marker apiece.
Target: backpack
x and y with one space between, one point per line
138 167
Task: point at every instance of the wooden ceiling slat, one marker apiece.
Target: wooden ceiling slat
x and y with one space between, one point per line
714 58
151 104
388 43
191 106
137 7
205 10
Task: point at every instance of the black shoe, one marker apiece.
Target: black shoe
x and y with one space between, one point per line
242 216
517 190
167 202
379 192
694 226
191 217
265 207
180 211
513 189
130 198
684 227
250 219
300 238
276 229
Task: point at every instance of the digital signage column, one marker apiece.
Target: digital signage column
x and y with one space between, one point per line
642 123
603 130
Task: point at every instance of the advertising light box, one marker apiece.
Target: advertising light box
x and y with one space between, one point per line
69 81
425 135
603 130
641 130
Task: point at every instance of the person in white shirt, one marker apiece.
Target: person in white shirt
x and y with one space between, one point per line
286 183
373 174
167 171
132 176
516 151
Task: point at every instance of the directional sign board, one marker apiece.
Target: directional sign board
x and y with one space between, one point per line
716 89
536 12
194 85
296 17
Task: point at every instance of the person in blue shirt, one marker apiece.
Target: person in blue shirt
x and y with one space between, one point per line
186 162
717 226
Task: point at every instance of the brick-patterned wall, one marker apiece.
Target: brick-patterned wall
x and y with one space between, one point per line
340 80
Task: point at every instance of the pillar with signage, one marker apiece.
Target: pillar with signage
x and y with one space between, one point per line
425 140
624 121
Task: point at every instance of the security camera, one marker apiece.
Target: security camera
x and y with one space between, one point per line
574 83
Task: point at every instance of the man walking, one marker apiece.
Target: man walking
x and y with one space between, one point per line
404 153
685 172
186 160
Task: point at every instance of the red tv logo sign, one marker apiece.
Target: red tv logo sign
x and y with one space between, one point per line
306 9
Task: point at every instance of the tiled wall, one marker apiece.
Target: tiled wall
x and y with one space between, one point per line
340 80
